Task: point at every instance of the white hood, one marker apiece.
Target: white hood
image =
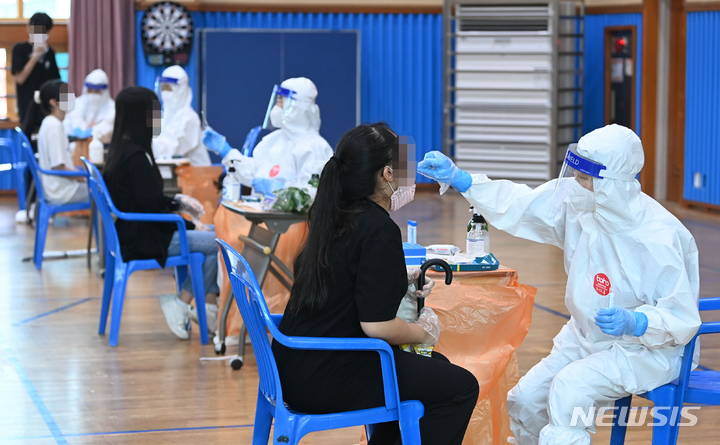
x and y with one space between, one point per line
618 207
305 115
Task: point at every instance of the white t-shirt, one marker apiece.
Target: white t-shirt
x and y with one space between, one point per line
53 151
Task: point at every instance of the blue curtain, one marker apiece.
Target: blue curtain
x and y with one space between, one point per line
702 108
401 64
594 88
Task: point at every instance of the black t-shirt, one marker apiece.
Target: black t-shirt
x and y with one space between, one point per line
45 69
368 281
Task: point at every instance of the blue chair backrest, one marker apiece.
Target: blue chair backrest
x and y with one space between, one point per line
105 207
256 316
26 152
249 145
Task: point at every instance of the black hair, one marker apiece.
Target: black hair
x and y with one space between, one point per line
135 108
36 112
41 19
346 183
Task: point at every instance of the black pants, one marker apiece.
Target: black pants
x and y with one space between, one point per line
448 392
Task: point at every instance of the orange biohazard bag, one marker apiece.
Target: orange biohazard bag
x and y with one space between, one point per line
228 226
484 316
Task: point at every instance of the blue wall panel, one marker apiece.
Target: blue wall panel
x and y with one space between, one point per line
594 88
401 64
702 107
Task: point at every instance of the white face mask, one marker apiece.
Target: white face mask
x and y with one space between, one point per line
276 116
94 101
401 196
581 199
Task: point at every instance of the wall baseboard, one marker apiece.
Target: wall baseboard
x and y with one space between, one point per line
613 9
338 8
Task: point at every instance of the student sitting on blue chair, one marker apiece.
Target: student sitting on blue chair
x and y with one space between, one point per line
350 278
135 186
51 103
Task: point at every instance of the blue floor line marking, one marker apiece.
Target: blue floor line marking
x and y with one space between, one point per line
34 396
109 433
552 311
61 308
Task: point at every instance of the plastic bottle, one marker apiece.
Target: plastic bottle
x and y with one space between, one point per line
478 238
96 152
412 232
231 186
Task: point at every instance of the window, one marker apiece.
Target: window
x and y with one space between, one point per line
24 9
57 9
63 61
3 84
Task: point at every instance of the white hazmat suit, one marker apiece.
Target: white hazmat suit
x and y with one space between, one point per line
616 237
294 152
181 130
93 111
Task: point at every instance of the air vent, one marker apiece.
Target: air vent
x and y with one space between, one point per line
503 18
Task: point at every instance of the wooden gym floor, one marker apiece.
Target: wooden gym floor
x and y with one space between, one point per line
61 383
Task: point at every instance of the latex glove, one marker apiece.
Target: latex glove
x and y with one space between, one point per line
620 321
39 50
266 185
430 323
412 285
215 142
201 227
81 134
190 205
439 167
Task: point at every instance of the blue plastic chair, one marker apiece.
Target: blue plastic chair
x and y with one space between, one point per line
290 425
46 210
117 271
249 144
696 387
18 170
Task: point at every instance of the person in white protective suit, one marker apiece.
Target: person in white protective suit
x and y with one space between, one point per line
181 130
633 281
94 112
288 156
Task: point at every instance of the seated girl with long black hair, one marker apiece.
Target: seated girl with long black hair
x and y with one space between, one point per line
350 278
135 185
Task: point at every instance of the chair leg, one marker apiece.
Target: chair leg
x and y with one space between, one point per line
263 421
41 227
663 434
181 273
285 431
107 293
410 424
119 284
20 186
198 283
617 437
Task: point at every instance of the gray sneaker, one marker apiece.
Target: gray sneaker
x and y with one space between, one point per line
177 315
211 313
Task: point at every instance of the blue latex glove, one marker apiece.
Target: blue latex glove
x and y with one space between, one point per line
81 134
620 321
266 185
215 142
439 167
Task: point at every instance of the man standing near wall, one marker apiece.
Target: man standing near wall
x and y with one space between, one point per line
33 62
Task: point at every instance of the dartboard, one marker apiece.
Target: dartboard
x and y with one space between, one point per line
167 30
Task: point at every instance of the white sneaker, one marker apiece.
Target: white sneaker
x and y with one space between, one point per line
177 315
211 314
21 217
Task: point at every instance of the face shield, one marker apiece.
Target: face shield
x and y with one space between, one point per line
584 169
165 85
281 104
404 170
95 88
